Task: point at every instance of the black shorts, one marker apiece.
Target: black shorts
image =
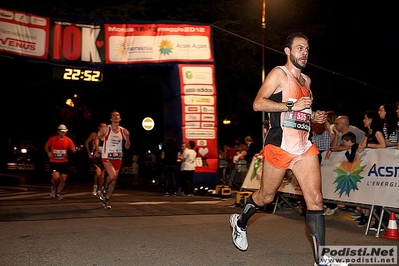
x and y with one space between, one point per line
62 168
97 162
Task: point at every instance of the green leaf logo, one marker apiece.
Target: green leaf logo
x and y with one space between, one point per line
348 176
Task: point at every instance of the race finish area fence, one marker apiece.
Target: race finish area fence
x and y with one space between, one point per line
372 179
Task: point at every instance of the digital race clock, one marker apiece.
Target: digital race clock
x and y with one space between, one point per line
69 73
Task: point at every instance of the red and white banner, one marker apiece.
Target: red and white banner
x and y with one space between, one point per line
24 34
157 43
77 42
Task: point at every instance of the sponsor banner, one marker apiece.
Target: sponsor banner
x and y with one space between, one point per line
199 120
201 75
199 89
372 178
199 100
157 43
77 42
252 179
24 34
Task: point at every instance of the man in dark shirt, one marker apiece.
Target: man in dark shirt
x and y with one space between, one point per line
252 149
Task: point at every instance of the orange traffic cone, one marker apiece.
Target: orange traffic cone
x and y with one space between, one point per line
392 232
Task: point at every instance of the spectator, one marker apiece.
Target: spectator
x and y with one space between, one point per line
374 131
341 126
228 155
187 167
252 149
390 124
321 138
375 140
266 125
331 116
349 141
135 167
239 158
171 151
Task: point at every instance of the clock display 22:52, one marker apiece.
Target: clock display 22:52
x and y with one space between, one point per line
82 74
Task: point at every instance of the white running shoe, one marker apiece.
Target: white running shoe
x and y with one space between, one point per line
94 190
103 194
239 235
53 192
106 204
328 261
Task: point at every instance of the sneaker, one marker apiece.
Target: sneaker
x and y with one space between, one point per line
239 235
98 193
374 227
94 190
357 215
58 196
175 194
363 222
53 192
166 194
103 194
106 204
328 261
359 218
331 211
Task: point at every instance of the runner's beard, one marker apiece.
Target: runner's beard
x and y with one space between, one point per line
295 62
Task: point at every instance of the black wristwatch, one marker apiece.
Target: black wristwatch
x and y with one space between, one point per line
290 104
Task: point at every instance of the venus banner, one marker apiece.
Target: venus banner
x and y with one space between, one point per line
24 34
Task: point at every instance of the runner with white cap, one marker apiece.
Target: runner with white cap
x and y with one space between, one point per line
57 150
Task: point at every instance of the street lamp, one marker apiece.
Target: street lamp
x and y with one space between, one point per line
226 121
263 49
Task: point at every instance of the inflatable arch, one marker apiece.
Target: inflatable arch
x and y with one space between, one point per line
80 50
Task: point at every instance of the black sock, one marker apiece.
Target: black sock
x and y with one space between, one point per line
250 208
315 221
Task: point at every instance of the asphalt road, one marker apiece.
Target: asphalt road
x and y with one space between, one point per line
145 228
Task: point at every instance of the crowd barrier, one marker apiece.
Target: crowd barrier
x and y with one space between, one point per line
371 179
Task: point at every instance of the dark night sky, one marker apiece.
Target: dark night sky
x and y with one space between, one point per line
352 45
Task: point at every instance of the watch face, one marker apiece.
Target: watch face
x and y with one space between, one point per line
290 104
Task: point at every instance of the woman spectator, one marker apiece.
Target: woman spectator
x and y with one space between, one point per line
374 140
388 114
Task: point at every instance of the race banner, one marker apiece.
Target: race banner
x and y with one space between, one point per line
24 34
157 43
